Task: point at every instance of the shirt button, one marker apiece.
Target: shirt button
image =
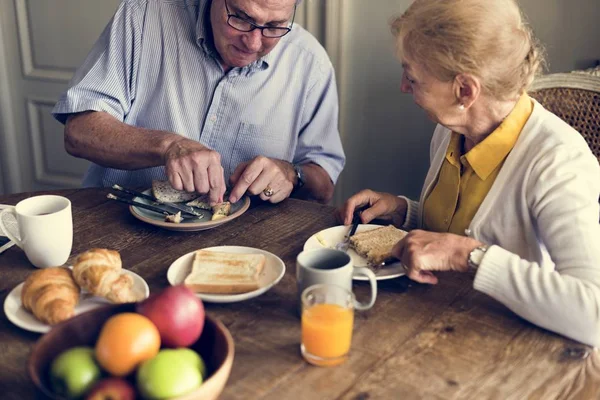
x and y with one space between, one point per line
445 220
213 118
467 232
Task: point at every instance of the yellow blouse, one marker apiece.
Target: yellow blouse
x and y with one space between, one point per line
465 179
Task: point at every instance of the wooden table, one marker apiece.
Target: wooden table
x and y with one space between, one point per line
432 342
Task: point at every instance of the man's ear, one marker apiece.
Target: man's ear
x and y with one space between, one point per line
467 89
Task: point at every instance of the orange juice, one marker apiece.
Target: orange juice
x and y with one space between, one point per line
327 333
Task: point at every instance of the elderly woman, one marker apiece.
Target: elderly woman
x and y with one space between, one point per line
512 190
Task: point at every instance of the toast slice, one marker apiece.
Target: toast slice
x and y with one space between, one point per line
225 273
164 192
202 202
376 244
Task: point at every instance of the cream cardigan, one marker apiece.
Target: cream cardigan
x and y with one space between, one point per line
541 219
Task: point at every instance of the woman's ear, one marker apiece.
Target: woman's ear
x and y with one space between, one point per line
467 89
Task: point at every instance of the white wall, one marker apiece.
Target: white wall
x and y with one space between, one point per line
386 137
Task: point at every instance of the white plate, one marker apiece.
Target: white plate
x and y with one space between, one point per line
188 224
332 236
13 308
271 274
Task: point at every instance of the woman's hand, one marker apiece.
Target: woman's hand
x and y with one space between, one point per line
422 252
380 205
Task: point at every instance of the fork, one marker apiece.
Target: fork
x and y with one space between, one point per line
344 244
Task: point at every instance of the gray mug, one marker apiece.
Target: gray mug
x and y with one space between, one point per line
334 267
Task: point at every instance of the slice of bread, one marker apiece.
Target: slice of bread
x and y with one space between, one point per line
376 244
164 192
202 202
225 273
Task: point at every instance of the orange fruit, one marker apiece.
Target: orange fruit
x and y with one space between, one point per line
126 340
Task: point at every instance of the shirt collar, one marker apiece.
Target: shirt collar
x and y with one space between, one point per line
489 153
205 40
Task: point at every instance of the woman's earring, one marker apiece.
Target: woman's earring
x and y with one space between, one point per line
461 107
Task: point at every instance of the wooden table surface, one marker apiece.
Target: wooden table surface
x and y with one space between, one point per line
431 342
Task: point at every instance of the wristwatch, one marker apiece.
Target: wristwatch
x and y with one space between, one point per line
475 257
299 176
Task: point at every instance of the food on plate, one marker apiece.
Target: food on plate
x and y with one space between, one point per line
177 313
202 202
50 294
164 193
74 371
221 210
321 240
99 271
376 244
126 340
225 273
174 218
171 373
112 389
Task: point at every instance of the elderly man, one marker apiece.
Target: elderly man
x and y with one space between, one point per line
207 92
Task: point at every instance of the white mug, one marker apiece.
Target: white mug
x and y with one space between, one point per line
45 229
330 266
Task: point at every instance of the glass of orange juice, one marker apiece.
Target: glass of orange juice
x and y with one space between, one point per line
327 321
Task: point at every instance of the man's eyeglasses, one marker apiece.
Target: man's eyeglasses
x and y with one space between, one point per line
243 25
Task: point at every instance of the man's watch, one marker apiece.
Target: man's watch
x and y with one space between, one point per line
299 176
475 257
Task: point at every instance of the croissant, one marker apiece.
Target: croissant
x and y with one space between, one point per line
51 294
99 272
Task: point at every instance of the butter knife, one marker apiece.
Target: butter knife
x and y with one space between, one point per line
186 209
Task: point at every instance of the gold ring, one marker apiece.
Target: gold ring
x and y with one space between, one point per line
268 191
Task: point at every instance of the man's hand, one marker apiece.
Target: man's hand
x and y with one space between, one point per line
193 167
263 173
423 252
380 205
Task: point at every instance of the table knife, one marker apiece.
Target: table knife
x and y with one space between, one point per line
180 207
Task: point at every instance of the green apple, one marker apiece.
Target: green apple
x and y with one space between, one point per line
190 356
171 373
73 372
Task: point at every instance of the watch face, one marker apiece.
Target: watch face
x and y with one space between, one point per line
299 176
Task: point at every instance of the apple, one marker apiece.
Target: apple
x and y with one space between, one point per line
191 357
112 389
73 372
177 313
171 373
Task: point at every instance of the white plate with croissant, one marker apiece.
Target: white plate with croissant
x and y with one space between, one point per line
52 295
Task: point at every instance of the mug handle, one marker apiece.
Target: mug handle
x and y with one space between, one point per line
7 232
373 281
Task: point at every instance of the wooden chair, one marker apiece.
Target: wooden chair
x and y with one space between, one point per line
575 98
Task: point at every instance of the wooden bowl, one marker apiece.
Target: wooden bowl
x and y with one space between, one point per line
215 346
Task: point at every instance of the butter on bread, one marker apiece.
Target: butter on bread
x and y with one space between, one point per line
164 193
221 210
225 273
376 244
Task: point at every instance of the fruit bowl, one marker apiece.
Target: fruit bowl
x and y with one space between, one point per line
215 346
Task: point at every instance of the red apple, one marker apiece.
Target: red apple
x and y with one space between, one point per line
112 389
177 313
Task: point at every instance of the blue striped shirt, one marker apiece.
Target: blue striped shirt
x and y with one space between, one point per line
155 67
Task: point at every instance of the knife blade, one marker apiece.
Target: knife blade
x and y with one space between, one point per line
180 207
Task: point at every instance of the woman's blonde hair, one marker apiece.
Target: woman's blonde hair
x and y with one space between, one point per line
486 38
